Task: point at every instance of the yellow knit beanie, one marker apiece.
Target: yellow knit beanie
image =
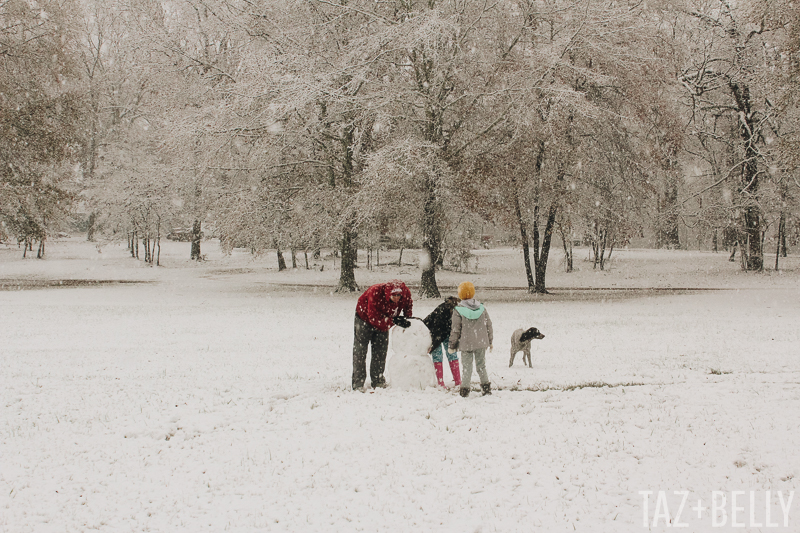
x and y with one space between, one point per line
466 290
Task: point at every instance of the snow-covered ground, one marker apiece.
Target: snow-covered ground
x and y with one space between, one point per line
214 396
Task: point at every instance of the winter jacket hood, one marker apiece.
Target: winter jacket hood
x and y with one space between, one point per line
471 309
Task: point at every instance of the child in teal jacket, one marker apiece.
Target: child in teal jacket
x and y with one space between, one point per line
471 334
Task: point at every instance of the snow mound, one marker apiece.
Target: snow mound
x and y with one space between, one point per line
409 366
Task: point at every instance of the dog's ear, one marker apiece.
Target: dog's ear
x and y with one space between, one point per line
531 333
528 334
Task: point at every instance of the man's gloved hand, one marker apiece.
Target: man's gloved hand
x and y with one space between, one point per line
401 321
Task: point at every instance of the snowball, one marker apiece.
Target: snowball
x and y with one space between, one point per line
424 260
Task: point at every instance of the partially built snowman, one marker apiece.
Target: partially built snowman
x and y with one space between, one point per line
409 365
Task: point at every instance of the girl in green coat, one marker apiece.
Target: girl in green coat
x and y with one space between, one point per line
471 333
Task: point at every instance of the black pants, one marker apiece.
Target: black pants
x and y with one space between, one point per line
364 335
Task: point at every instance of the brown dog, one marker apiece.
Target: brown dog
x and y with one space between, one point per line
521 340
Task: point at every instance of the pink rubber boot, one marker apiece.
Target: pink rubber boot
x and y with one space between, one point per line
439 373
456 371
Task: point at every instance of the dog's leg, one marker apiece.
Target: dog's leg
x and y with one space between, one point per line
526 355
511 361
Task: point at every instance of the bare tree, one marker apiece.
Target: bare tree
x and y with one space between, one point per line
729 99
570 84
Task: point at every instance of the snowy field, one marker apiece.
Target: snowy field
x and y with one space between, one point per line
214 396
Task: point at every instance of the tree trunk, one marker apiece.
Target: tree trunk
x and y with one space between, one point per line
428 286
755 251
743 254
347 274
40 253
196 236
602 245
668 235
568 262
92 147
782 235
281 260
431 242
749 184
539 273
541 255
523 235
780 248
158 242
567 244
91 229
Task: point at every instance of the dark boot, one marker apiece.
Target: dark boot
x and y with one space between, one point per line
486 388
464 392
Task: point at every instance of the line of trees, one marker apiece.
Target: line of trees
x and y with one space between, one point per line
297 124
